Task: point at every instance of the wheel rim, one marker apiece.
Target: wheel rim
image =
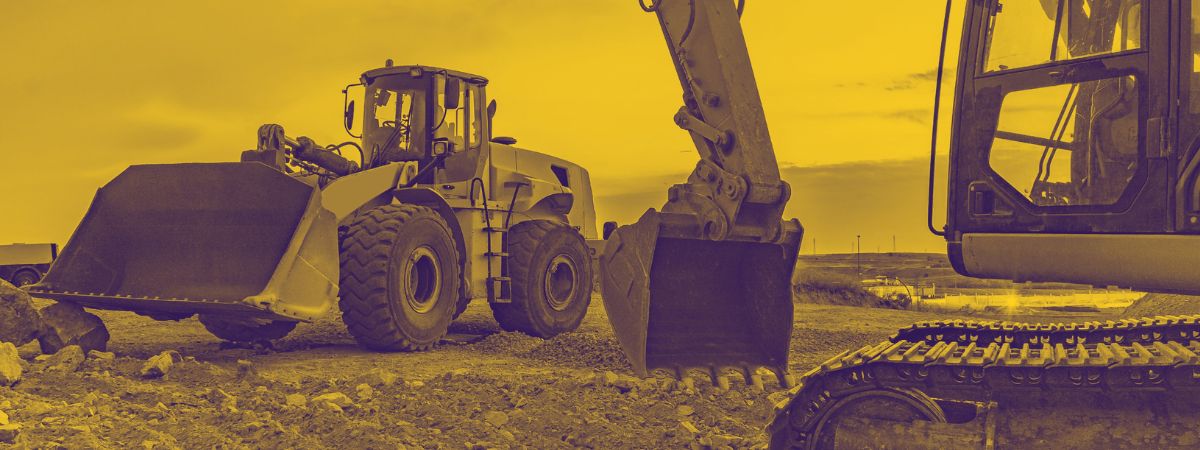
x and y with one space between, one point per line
24 279
559 285
422 280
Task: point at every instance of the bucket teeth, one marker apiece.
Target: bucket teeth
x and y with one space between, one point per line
722 377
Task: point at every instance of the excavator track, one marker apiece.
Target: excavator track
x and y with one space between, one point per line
1124 331
1129 365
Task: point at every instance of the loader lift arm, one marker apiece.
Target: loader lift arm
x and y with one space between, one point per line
704 284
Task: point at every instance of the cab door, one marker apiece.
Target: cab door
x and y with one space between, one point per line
1187 188
1062 119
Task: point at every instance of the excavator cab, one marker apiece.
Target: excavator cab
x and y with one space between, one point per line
1074 145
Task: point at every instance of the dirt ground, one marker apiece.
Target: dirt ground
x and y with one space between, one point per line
505 390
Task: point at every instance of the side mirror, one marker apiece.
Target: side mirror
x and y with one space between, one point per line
491 110
452 93
348 116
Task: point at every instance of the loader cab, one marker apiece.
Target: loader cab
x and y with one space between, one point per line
425 114
1074 144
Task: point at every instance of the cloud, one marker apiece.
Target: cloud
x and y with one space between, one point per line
911 81
915 115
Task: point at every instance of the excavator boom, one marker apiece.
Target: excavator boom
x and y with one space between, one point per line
704 283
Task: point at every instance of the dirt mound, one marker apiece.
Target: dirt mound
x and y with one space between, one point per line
1163 304
107 404
823 287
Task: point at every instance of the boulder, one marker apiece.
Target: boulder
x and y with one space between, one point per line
9 433
10 364
19 321
66 324
336 398
159 365
69 359
495 418
296 400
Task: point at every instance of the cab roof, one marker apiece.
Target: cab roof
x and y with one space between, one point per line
395 70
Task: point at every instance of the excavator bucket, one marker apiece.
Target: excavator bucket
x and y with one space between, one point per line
677 302
224 238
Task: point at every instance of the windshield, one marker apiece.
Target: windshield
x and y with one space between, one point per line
394 117
1024 33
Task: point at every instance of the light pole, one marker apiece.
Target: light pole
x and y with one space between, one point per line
858 254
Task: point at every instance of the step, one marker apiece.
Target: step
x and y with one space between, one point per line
497 291
493 254
495 230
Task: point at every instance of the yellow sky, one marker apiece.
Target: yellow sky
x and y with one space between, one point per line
92 87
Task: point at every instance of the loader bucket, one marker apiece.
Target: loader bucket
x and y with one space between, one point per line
680 303
225 238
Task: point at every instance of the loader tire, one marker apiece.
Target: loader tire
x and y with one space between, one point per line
25 278
246 331
461 307
551 271
400 278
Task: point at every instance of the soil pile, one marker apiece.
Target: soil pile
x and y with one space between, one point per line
1163 305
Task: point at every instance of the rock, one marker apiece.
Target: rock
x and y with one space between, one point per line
719 440
495 418
101 356
227 401
378 378
336 398
688 384
364 391
688 427
19 320
10 364
417 384
66 324
333 407
9 433
67 359
684 410
723 384
3 418
245 369
610 378
297 400
159 365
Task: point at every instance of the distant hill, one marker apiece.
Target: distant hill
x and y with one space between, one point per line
834 203
915 269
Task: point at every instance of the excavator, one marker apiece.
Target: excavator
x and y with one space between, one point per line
1073 158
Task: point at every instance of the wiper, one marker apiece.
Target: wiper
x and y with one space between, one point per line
1058 20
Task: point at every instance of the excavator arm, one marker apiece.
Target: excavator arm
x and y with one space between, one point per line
704 284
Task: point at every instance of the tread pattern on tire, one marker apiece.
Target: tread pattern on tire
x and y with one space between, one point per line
523 242
365 254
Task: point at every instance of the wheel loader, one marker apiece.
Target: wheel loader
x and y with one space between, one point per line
429 212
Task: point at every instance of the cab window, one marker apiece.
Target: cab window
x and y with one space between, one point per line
1023 33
